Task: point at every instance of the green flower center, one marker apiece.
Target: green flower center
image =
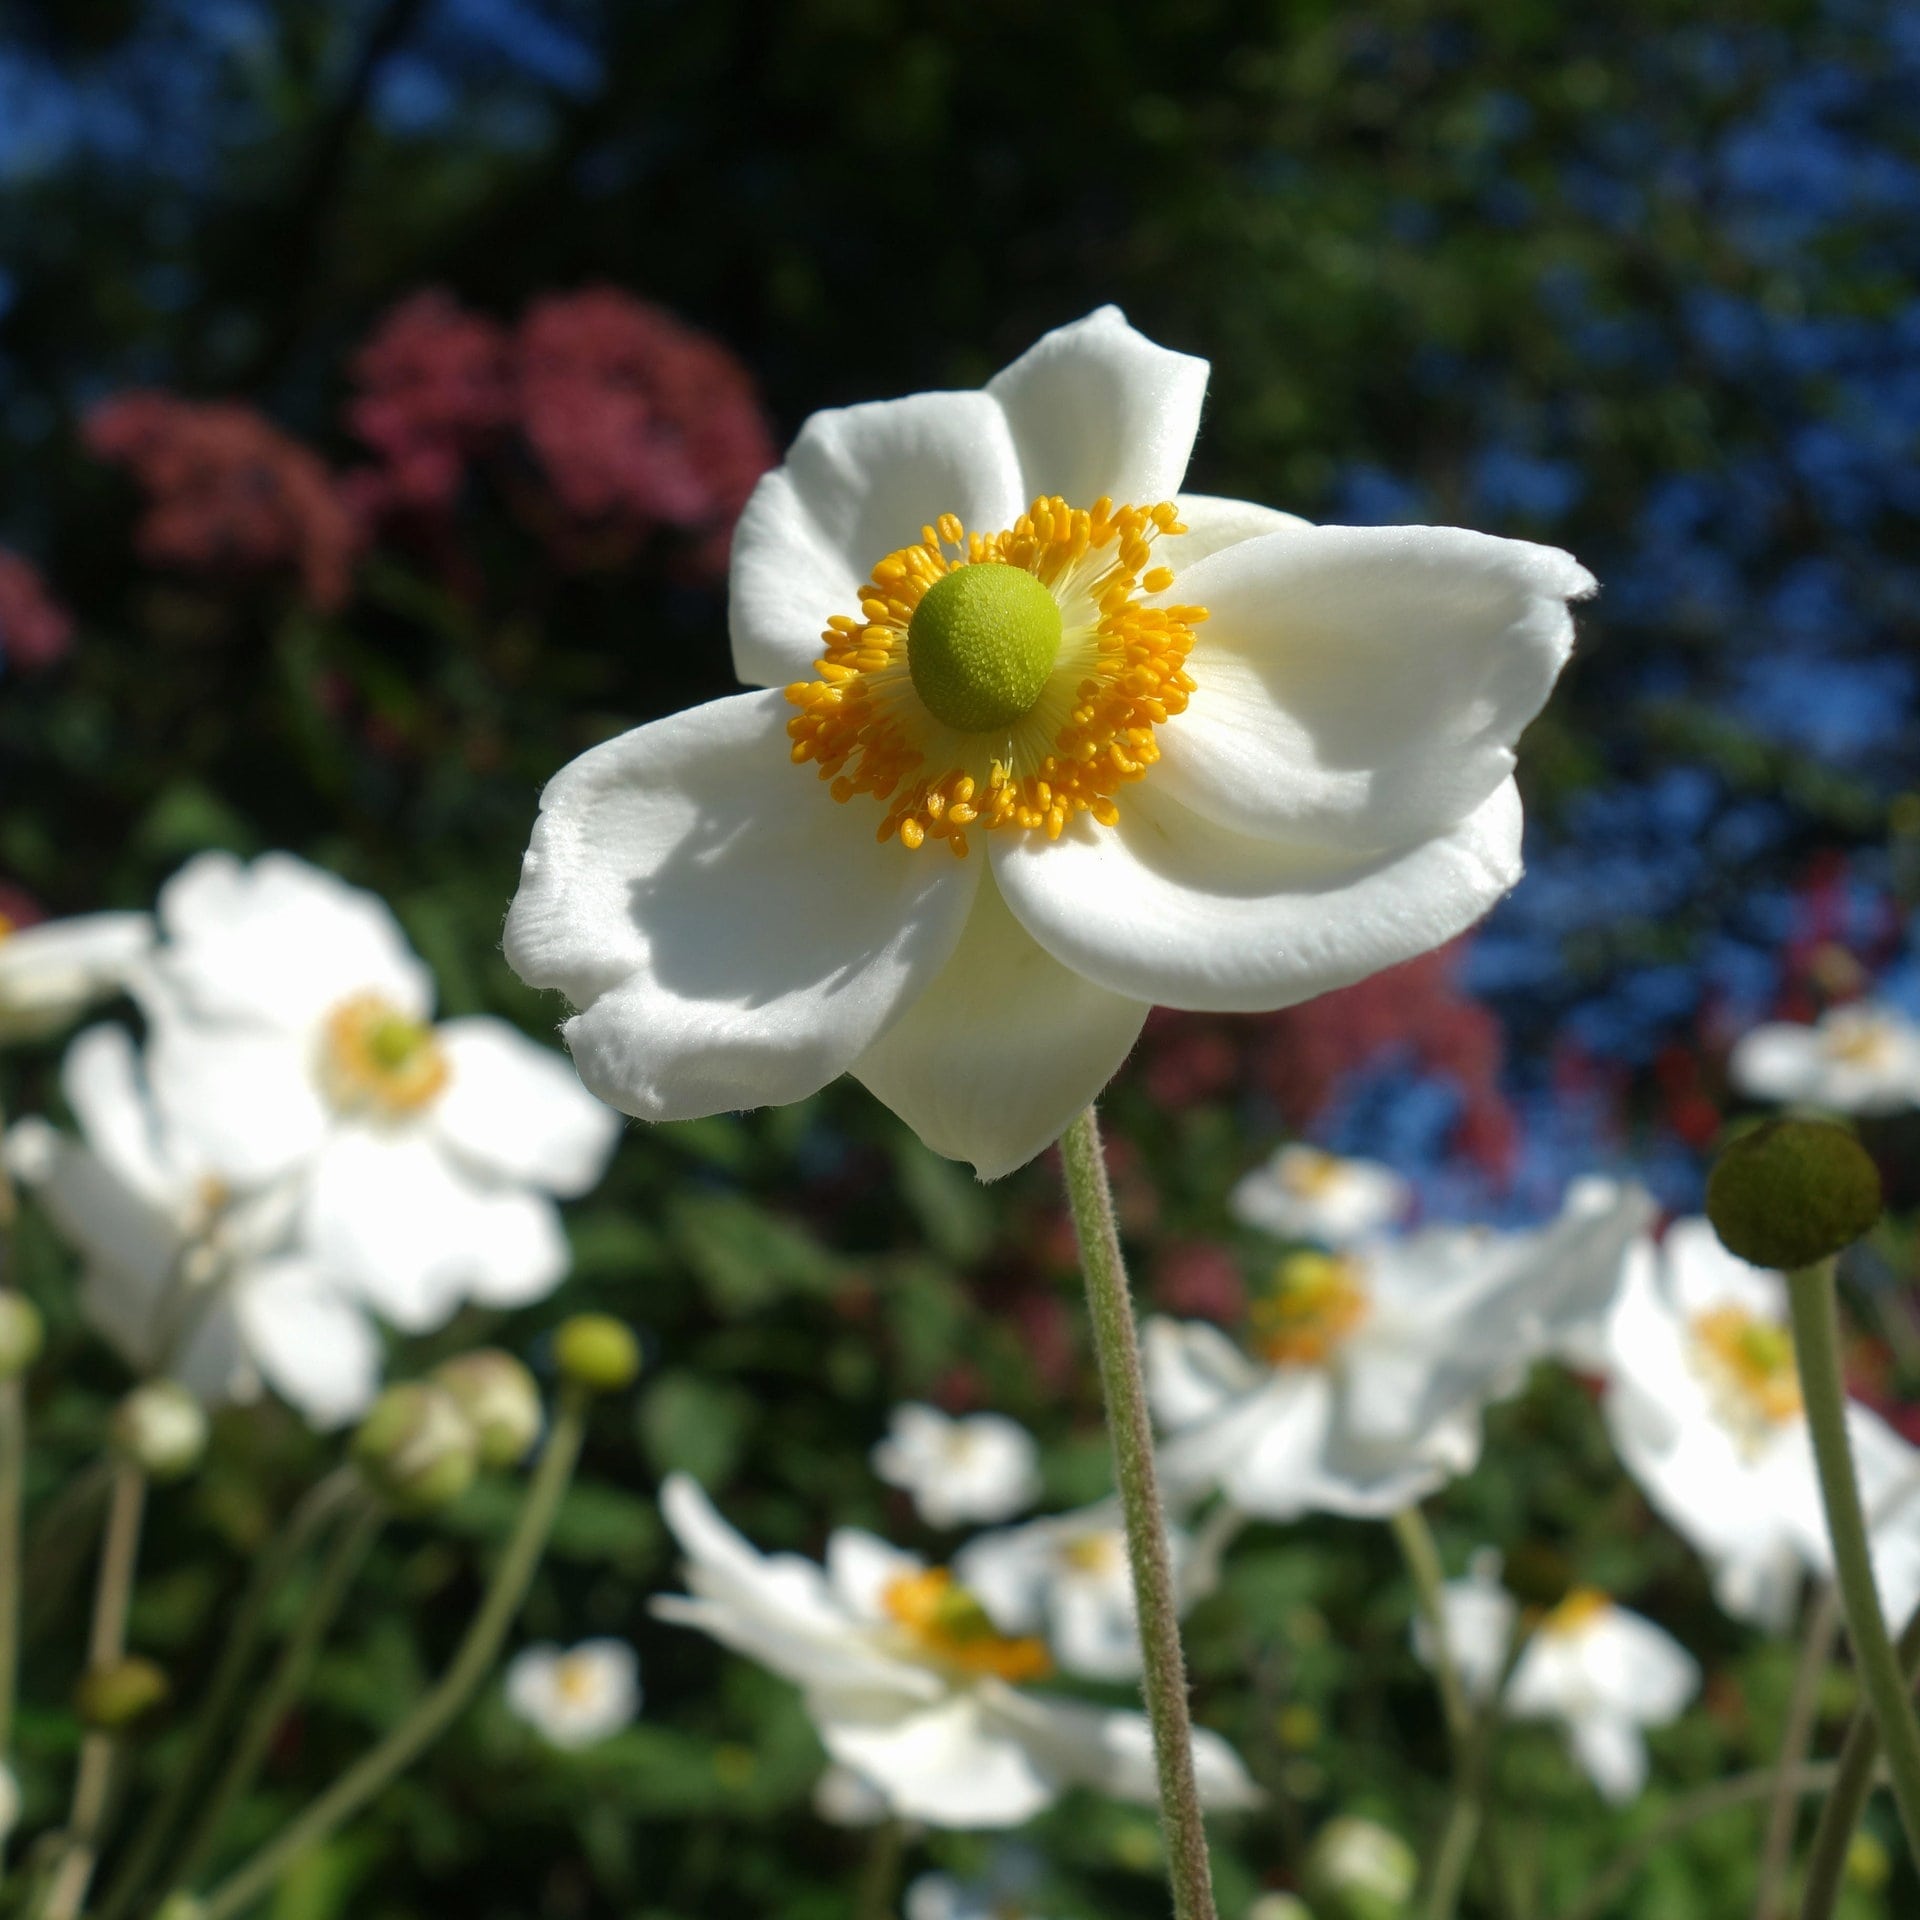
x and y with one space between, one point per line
394 1040
981 644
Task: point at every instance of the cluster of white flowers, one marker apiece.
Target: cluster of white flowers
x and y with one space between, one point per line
299 1150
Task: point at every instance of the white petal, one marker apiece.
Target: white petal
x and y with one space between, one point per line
1479 1617
313 1343
1639 1668
103 1084
735 937
242 1097
281 942
1193 1371
52 972
858 483
1263 1452
1212 523
1611 1753
1097 408
1364 686
517 1110
1175 910
950 1765
1003 1049
860 1569
1095 1631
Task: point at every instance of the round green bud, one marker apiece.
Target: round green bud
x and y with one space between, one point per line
180 1906
416 1449
981 644
500 1399
1359 1870
1791 1192
1279 1906
162 1429
597 1352
112 1698
22 1334
1868 1863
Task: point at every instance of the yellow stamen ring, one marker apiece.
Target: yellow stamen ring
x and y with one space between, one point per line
1119 672
380 1062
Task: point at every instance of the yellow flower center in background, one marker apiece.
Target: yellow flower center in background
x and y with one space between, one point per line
6 925
1579 1610
576 1679
1316 1301
986 701
1094 1553
380 1062
1749 1365
1859 1040
947 1624
1309 1173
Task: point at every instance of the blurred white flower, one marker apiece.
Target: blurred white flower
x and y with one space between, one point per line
844 1798
1478 1616
1360 1865
1861 1058
979 1467
1067 1577
53 972
9 1802
575 1696
1361 1380
909 1682
1277 775
1705 1411
1304 1194
293 1038
182 1273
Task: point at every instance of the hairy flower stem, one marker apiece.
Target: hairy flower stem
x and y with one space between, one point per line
1117 1346
470 1665
1816 1338
1803 1709
1840 1816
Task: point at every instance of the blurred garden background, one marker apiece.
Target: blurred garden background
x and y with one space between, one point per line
378 386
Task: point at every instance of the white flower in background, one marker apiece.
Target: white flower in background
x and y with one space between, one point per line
294 1042
1304 1194
1003 1892
1067 1578
979 1467
1275 776
844 1798
1478 1616
1705 1412
575 1696
908 1681
52 973
1862 1058
183 1274
1360 1379
1360 1867
9 1802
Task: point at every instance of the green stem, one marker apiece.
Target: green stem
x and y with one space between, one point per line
1117 1346
1859 1755
13 1461
1455 1856
1742 1790
242 1637
1422 1556
283 1688
470 1665
1803 1708
1816 1336
881 1874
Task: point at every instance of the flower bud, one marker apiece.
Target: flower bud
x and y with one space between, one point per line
1279 1906
1358 1870
22 1334
180 1906
416 1448
500 1400
597 1352
111 1698
1791 1192
162 1429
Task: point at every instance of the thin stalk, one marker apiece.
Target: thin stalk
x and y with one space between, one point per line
1455 1856
1816 1337
1116 1345
1422 1556
166 1817
880 1877
1803 1709
442 1705
1840 1816
290 1675
13 1470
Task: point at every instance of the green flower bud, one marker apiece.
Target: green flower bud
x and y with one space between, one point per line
597 1352
500 1400
1791 1192
1358 1870
1279 1906
162 1429
180 1906
111 1698
1868 1864
416 1449
22 1334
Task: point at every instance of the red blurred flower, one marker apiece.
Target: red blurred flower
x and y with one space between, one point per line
36 631
1200 1281
228 492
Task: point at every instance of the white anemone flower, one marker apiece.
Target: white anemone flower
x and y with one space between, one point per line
1360 1381
978 1467
575 1696
1478 1616
52 973
1305 1194
1705 1411
1067 1578
1863 1058
294 1041
1604 1673
1277 774
183 1274
909 1682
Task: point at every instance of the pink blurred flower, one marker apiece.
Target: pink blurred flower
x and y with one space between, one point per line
228 492
1197 1280
36 631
